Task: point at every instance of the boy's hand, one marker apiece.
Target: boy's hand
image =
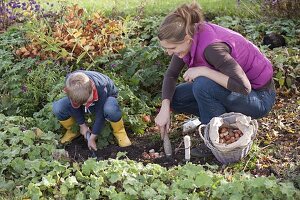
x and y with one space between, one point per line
83 129
92 142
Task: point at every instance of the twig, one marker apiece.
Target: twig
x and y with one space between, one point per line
75 152
255 154
82 159
178 148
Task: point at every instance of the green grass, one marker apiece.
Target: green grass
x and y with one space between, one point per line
152 7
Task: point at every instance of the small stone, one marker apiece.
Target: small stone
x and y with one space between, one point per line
146 155
152 155
151 151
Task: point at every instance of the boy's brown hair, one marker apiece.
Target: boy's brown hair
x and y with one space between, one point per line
78 88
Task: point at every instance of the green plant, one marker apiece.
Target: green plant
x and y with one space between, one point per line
22 90
133 107
12 12
143 68
32 167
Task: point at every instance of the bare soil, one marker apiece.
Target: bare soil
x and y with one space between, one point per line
78 151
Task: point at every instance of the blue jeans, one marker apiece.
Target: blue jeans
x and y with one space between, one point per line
207 99
63 109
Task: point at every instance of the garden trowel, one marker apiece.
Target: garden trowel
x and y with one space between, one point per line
167 145
93 153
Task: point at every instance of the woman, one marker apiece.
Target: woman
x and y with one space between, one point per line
226 72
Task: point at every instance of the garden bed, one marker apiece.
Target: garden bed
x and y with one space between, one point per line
277 144
78 151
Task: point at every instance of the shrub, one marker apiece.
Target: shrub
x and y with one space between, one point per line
16 11
74 37
281 8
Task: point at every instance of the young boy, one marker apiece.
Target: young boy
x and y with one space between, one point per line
90 92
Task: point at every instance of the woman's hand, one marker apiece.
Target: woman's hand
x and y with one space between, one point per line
212 74
194 72
162 120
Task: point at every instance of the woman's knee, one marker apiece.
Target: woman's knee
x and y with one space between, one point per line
202 84
174 106
177 101
183 93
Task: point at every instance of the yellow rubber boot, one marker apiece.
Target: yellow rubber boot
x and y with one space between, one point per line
120 133
69 135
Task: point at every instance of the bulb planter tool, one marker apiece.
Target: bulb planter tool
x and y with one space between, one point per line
167 145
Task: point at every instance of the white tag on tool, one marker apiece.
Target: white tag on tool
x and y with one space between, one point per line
187 147
190 125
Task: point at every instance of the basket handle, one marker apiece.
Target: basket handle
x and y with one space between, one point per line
200 132
255 125
206 142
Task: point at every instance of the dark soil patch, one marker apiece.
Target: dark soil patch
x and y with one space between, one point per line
78 151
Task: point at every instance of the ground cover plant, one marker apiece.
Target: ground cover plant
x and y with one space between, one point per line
38 50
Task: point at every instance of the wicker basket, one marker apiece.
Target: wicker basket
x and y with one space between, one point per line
234 155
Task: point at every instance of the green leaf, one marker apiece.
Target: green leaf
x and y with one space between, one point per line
80 57
6 185
64 190
149 193
289 81
71 182
281 81
121 154
186 183
80 196
114 177
279 75
130 190
18 165
48 181
288 189
34 192
93 193
203 180
258 182
88 166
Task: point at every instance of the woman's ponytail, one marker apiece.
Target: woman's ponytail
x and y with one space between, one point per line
180 23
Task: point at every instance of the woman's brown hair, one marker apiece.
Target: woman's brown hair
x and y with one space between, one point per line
180 23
